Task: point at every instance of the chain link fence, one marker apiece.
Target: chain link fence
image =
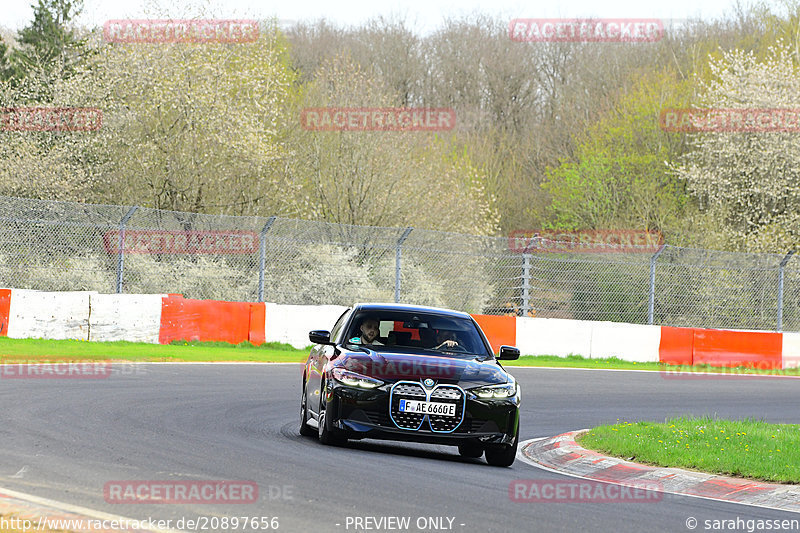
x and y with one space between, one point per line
48 245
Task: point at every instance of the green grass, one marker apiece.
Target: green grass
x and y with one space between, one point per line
30 350
741 448
27 350
576 361
673 371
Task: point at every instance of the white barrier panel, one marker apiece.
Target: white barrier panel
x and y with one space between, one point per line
49 315
554 336
291 323
125 317
791 350
629 342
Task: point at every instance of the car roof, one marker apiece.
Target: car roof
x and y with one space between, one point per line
408 307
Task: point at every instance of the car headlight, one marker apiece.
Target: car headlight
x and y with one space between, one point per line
506 390
354 379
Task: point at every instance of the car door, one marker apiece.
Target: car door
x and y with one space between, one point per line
317 361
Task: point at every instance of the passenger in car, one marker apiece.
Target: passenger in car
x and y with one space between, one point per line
445 338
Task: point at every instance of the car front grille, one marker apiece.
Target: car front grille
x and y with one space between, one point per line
405 390
409 390
447 394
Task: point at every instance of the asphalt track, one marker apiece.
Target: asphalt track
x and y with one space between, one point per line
65 439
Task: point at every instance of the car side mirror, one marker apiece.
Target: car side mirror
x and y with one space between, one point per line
320 336
508 353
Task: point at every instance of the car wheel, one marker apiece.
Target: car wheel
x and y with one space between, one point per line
503 454
305 429
470 449
327 435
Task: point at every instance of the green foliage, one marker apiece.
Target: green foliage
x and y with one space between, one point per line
380 178
746 182
553 135
617 178
7 70
47 45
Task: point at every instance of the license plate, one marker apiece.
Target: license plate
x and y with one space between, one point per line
428 408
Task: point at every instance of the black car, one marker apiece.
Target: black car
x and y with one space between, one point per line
411 373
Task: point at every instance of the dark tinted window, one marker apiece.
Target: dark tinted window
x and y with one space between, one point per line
404 331
339 323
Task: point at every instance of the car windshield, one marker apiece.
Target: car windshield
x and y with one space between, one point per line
406 331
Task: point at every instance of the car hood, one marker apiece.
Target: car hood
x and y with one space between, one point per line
390 367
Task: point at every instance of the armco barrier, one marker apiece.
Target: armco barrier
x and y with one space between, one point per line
5 308
676 345
629 342
49 315
723 348
499 329
715 347
562 337
125 317
158 318
790 350
207 320
291 323
554 336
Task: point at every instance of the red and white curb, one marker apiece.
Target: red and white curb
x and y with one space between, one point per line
45 514
562 455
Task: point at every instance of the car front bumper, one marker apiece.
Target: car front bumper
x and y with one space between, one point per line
365 413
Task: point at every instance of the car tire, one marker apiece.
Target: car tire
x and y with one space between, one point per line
470 450
502 454
305 429
326 434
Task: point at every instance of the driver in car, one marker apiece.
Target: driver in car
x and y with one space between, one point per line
446 338
370 329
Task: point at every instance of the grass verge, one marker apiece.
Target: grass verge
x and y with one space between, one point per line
613 363
742 448
41 350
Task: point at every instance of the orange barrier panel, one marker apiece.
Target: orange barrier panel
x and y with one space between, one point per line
204 320
5 308
759 349
498 329
258 319
676 345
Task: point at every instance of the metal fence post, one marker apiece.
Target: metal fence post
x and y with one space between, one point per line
262 241
652 300
785 260
121 247
526 284
397 258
